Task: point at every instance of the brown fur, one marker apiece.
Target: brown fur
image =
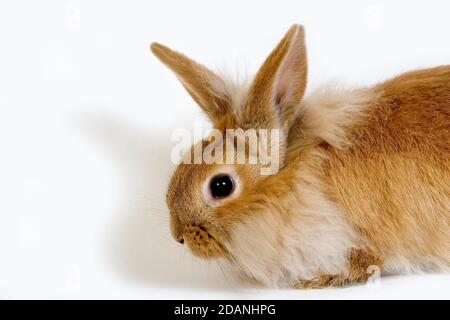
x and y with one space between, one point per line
389 179
359 272
400 156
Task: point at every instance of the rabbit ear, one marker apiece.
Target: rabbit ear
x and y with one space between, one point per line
204 86
279 85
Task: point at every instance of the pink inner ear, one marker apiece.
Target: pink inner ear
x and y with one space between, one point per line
291 73
282 84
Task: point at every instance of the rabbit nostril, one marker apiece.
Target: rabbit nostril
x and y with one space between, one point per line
179 238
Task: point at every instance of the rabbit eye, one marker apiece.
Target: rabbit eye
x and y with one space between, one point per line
221 186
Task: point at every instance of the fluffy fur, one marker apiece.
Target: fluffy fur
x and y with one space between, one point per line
364 182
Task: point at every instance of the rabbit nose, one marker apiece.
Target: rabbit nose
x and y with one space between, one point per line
180 239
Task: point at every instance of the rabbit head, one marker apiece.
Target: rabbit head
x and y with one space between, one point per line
271 101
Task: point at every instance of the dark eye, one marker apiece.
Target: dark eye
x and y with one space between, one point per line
221 186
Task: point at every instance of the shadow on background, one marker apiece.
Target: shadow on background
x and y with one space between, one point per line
139 244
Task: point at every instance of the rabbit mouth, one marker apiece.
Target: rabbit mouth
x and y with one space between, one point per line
202 244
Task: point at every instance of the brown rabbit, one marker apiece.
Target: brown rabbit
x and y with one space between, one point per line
364 178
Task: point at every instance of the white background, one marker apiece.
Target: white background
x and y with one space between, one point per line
86 114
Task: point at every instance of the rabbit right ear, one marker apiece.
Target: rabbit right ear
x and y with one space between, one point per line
279 86
204 86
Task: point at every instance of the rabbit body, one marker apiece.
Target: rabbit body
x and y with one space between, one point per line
364 183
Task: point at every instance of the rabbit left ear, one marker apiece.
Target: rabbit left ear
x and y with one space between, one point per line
279 85
204 86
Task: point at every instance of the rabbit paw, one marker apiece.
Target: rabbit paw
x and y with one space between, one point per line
362 267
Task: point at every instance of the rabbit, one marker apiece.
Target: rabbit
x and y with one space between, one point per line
363 183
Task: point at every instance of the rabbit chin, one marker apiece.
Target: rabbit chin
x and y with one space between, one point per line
210 249
202 244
